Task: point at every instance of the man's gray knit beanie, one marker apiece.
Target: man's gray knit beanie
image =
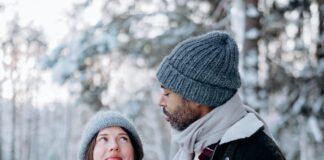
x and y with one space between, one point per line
203 69
104 119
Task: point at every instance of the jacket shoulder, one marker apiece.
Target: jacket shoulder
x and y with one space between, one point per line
258 146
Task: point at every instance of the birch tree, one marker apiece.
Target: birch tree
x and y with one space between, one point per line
320 41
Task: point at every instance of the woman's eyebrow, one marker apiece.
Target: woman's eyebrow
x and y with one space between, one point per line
123 134
106 134
103 134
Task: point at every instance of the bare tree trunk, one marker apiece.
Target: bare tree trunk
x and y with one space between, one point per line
1 126
29 134
1 110
13 136
250 56
25 134
320 43
20 148
68 122
33 145
13 104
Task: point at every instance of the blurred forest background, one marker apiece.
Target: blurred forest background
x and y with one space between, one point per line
105 52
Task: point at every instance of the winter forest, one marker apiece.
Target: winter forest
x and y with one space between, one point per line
59 68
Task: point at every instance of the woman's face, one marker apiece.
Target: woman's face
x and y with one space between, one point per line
113 143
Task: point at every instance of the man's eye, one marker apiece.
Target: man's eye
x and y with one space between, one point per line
166 94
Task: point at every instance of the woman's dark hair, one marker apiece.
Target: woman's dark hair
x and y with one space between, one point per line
89 153
139 154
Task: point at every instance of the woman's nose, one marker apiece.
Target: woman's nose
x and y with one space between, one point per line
113 146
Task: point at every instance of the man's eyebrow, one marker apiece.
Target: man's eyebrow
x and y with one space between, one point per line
162 86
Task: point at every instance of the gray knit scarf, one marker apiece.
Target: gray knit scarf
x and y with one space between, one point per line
209 129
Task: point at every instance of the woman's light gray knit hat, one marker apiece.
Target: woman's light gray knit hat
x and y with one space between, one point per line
104 119
203 69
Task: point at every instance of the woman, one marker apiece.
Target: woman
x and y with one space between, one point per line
110 136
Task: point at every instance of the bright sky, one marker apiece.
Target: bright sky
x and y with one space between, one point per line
48 15
51 17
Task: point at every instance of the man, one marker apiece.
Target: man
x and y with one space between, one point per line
200 80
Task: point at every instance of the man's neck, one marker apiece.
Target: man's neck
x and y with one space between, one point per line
204 110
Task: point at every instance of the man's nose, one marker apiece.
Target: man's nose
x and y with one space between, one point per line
162 102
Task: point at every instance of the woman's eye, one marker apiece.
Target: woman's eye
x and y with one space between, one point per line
124 139
102 139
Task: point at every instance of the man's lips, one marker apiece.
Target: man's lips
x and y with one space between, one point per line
166 116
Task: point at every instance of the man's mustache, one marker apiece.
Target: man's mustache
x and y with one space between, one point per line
166 112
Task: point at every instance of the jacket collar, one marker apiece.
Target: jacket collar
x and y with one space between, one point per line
244 128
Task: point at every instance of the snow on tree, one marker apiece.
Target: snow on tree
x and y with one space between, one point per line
109 62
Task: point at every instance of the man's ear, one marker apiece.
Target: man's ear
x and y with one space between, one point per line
202 109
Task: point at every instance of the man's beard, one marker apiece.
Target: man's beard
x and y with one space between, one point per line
182 117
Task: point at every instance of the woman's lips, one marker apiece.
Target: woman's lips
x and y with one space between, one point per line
114 158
